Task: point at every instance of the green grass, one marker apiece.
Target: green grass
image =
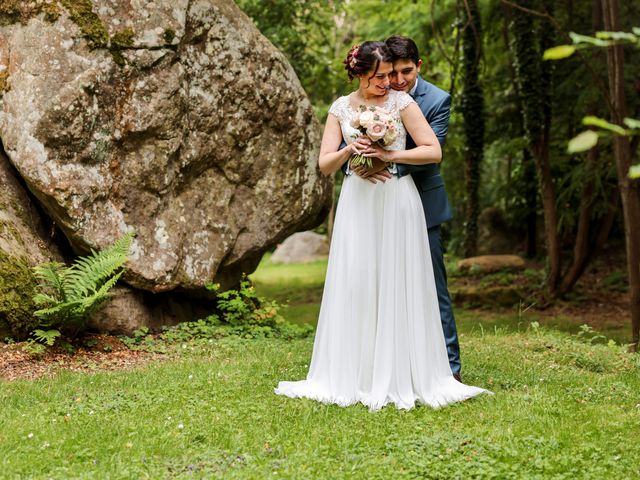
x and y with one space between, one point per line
562 409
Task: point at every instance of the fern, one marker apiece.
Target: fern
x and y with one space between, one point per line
70 295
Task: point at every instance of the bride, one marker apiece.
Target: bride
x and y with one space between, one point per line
379 338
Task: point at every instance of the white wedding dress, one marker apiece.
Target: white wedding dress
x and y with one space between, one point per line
379 338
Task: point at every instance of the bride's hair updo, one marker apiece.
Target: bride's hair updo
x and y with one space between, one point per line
366 58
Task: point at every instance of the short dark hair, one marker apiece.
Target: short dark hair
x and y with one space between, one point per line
403 48
366 58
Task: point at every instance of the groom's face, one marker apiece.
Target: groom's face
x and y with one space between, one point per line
405 73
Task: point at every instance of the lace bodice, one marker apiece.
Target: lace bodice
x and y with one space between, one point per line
396 101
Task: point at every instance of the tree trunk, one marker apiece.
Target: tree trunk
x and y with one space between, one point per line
528 165
472 107
581 251
534 84
584 249
622 150
606 223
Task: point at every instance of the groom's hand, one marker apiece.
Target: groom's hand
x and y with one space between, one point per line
377 173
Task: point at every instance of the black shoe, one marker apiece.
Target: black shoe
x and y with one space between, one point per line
457 377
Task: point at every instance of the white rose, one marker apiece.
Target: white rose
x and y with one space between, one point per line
366 118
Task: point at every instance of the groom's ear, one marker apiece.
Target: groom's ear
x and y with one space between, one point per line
419 65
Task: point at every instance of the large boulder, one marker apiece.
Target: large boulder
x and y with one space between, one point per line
175 119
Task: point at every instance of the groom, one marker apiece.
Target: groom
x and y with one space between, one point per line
435 105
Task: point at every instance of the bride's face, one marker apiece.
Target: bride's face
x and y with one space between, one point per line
378 83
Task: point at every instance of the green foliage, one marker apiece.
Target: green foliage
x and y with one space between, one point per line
616 281
559 52
588 139
33 348
583 142
41 341
46 337
241 313
244 306
308 33
70 295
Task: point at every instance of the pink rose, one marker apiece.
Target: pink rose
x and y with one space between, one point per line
376 130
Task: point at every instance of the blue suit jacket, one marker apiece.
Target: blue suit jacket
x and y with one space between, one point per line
436 108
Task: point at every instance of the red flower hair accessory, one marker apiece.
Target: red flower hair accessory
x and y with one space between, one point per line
354 56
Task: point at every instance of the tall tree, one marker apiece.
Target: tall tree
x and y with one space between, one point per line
472 107
534 86
629 189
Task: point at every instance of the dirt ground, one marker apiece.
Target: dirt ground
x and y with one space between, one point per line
104 353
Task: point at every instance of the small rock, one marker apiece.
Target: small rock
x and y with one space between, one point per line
492 263
302 247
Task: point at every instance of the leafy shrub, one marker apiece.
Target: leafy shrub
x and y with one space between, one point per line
241 313
70 295
244 306
37 346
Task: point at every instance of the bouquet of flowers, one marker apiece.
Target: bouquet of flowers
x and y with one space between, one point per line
378 125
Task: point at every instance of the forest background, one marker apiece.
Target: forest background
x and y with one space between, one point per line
512 116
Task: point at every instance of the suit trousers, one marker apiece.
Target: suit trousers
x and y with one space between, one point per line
444 300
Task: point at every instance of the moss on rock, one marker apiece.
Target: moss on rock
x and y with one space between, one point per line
21 11
90 24
17 288
120 41
169 35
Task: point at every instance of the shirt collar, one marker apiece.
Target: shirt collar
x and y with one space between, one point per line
412 92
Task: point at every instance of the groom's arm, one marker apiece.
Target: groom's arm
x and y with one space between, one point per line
439 122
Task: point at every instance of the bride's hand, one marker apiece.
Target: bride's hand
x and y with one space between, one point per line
376 151
360 145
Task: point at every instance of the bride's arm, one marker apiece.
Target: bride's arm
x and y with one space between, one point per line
331 157
427 148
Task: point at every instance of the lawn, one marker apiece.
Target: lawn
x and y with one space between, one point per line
563 408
